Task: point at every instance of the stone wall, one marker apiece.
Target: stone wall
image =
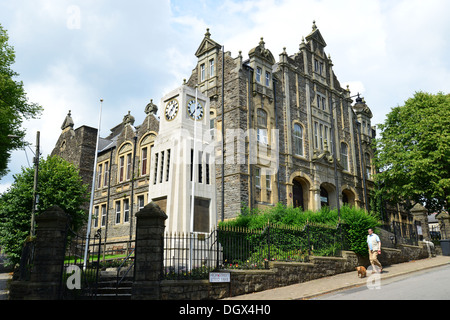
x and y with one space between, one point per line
282 274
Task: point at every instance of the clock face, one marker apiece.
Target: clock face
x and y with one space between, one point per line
195 110
171 109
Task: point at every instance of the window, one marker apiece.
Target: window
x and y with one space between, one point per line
168 165
106 175
368 166
146 146
121 168
155 173
318 66
141 202
129 166
144 159
268 182
124 162
200 167
99 176
258 177
118 212
126 210
298 140
96 217
207 169
258 74
268 79
161 168
344 155
321 136
321 102
316 129
202 72
103 215
262 126
211 67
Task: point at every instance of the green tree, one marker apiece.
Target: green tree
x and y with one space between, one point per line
413 152
59 184
14 105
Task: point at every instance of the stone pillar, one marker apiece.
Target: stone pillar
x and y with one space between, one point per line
149 252
45 279
420 214
444 225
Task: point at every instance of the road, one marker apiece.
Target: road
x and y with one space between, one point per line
432 284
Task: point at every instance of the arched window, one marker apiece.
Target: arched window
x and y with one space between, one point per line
124 162
344 155
145 152
262 126
298 139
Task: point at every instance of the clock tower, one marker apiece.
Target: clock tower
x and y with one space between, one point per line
182 171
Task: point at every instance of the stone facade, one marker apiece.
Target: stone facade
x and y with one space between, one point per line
292 135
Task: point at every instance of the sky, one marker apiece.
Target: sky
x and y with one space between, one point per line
72 53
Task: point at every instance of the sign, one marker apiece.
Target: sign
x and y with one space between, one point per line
219 277
419 230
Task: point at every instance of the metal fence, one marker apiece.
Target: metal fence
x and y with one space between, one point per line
82 263
403 233
194 255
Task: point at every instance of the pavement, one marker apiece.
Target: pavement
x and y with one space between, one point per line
315 288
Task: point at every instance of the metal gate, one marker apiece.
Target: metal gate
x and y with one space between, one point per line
79 276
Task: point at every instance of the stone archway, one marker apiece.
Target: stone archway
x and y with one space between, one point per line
300 193
328 195
348 198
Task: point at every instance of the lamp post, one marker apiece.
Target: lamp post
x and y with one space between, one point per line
35 183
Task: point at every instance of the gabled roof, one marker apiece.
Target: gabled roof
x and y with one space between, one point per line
207 45
316 35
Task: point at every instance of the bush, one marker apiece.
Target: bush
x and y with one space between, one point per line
355 223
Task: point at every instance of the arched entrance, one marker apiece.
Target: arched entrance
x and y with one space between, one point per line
300 194
348 198
328 195
324 199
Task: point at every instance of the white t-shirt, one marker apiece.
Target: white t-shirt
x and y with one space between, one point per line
373 241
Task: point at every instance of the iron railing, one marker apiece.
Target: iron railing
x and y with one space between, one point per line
194 255
190 255
74 262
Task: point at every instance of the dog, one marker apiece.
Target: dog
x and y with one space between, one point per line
361 271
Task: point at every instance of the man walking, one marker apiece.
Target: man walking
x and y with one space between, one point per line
374 245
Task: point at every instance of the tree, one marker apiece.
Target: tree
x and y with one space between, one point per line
413 152
59 184
14 105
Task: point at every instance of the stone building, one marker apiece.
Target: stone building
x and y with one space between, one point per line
292 134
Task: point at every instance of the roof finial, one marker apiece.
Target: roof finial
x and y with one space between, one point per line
207 34
261 43
314 27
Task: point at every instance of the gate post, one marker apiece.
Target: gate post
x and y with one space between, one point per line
420 214
48 261
149 252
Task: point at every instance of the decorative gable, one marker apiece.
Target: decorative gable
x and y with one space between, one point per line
316 36
207 45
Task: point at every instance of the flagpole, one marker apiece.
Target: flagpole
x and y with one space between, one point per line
223 135
88 232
